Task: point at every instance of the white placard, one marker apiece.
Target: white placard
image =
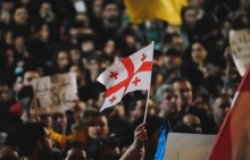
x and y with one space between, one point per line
181 146
240 44
53 94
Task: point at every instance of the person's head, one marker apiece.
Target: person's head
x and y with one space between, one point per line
245 3
33 139
109 47
97 123
189 17
220 108
169 101
97 8
75 56
137 110
110 14
4 92
177 42
19 43
76 152
45 8
226 27
29 76
7 5
21 16
172 59
193 122
185 88
198 4
45 33
87 45
59 122
198 53
62 60
9 57
109 149
214 85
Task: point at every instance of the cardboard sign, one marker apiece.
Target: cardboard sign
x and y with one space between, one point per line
54 94
240 45
181 146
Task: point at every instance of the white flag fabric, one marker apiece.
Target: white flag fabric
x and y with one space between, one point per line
131 74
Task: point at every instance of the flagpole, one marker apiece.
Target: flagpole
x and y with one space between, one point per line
147 102
146 108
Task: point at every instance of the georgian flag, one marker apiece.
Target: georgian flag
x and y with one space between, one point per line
131 74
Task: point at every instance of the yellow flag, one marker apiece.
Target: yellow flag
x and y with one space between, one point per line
167 10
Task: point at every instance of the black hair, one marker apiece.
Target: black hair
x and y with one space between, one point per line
172 53
108 2
90 113
183 128
179 79
27 138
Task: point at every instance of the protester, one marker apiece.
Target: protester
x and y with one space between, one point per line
193 81
33 142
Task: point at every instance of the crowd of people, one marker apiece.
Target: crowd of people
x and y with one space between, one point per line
193 79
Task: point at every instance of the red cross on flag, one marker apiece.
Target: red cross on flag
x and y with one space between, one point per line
131 74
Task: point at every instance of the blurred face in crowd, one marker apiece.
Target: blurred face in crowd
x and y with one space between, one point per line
5 17
45 8
10 57
226 28
29 76
190 17
170 103
110 15
196 3
63 60
178 42
82 20
193 122
199 53
98 127
75 56
20 44
4 93
97 8
25 2
130 40
220 108
109 48
87 46
172 62
76 154
21 16
59 122
7 6
245 3
185 89
139 109
45 33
